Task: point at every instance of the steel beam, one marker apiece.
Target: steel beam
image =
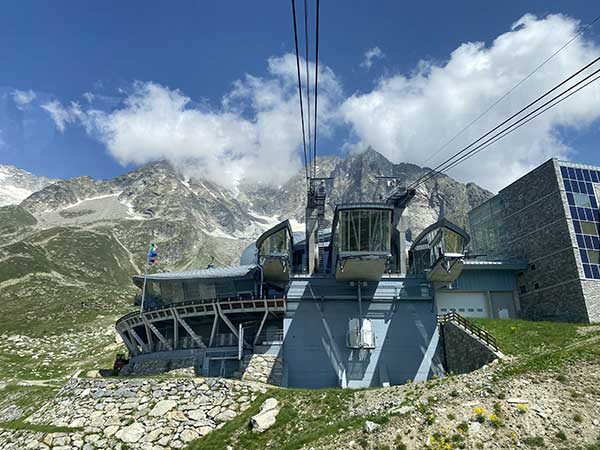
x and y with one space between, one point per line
262 322
132 348
213 331
157 333
139 340
189 329
175 333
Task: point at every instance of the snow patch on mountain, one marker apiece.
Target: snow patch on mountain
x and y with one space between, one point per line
17 184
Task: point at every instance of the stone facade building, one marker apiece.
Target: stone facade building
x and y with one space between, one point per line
550 218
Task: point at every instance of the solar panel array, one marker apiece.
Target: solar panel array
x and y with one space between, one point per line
583 204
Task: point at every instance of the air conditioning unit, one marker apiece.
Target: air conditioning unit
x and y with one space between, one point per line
367 335
360 337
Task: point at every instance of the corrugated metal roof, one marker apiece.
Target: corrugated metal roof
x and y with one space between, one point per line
330 289
212 273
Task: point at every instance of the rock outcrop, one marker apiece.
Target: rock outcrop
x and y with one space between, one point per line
267 416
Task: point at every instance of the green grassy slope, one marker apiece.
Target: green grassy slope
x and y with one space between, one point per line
540 346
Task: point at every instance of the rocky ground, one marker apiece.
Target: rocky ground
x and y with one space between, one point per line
556 410
485 409
132 413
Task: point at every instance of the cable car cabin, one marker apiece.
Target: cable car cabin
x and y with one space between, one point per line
438 252
361 241
275 252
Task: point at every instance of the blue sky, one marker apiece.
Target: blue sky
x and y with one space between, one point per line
213 65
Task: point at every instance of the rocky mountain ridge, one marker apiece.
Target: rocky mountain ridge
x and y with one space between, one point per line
17 184
158 190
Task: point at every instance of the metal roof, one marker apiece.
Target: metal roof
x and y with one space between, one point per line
314 288
205 274
503 264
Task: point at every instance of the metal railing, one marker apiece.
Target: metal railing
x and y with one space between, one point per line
270 336
469 326
227 305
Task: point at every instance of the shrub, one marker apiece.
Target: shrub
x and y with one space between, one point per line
522 408
451 416
561 435
495 421
497 409
479 414
463 427
577 418
399 444
534 441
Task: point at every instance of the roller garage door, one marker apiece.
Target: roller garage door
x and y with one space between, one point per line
468 304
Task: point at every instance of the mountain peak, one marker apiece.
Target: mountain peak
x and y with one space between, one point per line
18 184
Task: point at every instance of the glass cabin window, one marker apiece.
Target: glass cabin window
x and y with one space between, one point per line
453 242
364 230
276 243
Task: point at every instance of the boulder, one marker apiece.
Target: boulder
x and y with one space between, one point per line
370 427
188 435
267 416
131 433
162 407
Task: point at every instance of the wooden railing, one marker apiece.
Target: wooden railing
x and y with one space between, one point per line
469 326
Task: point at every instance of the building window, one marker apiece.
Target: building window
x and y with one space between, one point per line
461 309
593 256
523 289
444 309
479 309
532 266
588 227
471 310
536 285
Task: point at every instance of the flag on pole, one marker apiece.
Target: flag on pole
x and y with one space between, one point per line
152 255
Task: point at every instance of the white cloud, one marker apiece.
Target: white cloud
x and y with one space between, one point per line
370 56
255 134
408 117
65 115
23 98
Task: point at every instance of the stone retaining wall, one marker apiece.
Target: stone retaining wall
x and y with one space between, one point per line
464 352
158 366
262 368
153 414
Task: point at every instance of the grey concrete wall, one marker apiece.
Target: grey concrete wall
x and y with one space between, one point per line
316 355
463 352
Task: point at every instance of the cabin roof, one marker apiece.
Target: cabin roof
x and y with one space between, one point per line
442 223
205 274
280 226
501 264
